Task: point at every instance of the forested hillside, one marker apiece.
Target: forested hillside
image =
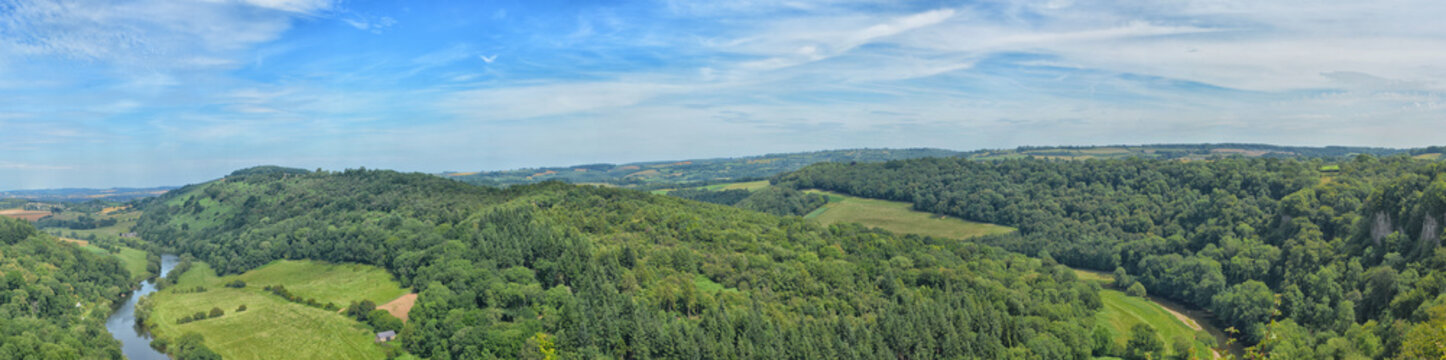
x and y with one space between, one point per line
54 297
1313 260
588 272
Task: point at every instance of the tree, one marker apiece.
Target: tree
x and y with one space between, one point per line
1245 306
381 320
1143 343
216 312
1136 290
539 347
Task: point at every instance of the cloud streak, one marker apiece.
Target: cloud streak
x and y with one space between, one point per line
207 85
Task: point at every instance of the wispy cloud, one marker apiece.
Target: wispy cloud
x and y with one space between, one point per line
477 85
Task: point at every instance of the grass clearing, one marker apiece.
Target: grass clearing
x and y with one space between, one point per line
1122 311
704 284
335 283
272 327
899 217
135 261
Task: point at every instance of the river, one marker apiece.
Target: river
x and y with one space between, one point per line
136 342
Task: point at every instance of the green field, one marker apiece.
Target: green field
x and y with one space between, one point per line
272 327
899 217
135 261
750 186
1122 311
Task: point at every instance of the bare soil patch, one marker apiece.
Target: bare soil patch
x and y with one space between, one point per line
27 215
401 306
76 241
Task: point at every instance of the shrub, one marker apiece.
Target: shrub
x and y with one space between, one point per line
1136 290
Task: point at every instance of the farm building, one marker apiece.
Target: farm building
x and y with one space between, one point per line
386 336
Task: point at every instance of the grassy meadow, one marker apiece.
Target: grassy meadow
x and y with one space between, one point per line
1122 311
899 217
272 327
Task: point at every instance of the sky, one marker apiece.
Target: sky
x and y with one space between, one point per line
168 92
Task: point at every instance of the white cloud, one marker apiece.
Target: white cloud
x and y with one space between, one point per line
296 6
551 99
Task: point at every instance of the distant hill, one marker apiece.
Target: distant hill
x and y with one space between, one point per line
655 174
697 172
1183 151
81 195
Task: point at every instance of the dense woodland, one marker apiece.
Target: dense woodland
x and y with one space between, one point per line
772 200
1307 260
54 297
595 272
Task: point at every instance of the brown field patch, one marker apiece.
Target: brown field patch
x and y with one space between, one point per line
544 173
76 241
108 210
629 167
648 172
27 215
579 170
682 163
766 161
463 173
401 306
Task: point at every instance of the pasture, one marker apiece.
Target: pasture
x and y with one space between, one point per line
898 217
272 327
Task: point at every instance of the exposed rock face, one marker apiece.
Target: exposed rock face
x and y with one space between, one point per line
1430 234
1380 227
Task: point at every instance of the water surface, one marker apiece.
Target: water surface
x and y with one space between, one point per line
135 342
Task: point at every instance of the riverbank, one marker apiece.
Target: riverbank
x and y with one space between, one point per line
135 340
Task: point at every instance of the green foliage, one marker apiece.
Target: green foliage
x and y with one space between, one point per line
1143 343
1136 290
381 320
54 297
1254 240
191 346
614 273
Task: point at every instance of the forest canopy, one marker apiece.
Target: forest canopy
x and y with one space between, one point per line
621 273
1347 261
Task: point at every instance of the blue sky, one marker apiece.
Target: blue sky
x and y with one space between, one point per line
161 92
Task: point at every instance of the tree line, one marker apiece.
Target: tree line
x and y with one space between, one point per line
1303 263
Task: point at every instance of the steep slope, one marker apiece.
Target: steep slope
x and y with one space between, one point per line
591 272
54 297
